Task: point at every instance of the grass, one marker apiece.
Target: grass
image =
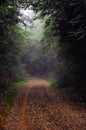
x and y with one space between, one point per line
10 95
52 82
19 84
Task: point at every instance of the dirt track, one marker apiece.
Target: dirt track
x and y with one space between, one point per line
38 107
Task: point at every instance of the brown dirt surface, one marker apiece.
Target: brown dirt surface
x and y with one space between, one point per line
39 107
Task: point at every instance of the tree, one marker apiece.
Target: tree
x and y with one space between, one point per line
68 22
10 45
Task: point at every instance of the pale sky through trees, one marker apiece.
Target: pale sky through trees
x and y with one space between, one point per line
32 24
27 17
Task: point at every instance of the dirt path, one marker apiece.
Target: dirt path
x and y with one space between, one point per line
38 107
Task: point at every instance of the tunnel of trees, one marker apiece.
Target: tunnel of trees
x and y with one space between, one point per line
61 51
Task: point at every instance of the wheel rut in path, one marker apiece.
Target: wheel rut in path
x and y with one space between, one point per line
38 107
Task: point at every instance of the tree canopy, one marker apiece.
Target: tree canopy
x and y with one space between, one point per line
67 21
65 28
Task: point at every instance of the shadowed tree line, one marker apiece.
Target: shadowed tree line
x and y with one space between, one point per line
11 43
17 55
67 23
39 61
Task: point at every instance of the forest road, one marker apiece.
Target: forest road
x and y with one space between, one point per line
39 107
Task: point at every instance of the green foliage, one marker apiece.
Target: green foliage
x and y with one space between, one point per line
11 92
37 32
19 84
68 22
52 83
11 45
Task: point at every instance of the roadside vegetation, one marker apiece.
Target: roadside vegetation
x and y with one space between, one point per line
8 99
52 83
